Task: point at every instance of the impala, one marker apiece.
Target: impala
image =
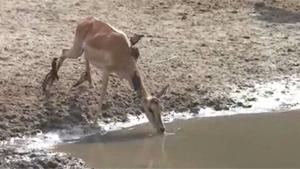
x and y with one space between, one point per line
112 51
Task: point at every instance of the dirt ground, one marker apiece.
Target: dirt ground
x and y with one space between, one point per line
204 49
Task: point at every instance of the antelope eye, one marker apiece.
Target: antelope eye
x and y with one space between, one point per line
151 111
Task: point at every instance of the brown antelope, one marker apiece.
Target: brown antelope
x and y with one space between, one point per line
112 51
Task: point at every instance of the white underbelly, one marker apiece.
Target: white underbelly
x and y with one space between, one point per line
98 58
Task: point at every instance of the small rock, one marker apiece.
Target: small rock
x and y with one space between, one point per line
208 76
290 50
259 5
219 107
4 125
15 129
195 110
35 132
106 106
41 162
51 164
234 11
247 106
105 115
183 109
10 116
124 119
58 160
22 165
240 104
32 155
3 108
252 99
269 92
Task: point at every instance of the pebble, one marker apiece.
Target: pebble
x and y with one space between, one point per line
4 125
195 110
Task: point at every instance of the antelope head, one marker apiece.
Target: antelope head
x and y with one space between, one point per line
151 104
153 110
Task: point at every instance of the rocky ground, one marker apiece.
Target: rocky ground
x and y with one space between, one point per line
36 159
204 49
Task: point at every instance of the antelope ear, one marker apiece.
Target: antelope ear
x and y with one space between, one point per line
135 39
163 91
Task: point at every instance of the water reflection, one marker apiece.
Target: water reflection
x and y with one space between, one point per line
145 147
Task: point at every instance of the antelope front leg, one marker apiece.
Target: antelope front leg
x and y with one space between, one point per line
105 79
85 76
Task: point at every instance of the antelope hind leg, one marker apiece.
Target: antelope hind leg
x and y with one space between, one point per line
51 76
85 76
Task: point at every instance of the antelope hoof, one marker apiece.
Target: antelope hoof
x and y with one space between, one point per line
49 82
84 77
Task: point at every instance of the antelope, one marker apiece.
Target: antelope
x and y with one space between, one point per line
111 51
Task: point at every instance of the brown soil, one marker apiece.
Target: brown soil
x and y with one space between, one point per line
203 48
11 158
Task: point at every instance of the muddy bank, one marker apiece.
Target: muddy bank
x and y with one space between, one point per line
204 49
11 158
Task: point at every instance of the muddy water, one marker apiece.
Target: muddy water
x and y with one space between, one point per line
260 140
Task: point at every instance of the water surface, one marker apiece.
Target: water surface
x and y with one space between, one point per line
243 141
